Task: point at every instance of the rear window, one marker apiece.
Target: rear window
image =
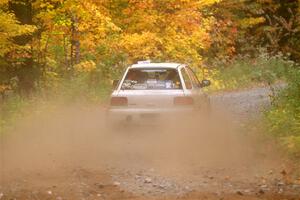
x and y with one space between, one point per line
151 79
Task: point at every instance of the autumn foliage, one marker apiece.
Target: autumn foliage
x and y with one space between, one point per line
45 42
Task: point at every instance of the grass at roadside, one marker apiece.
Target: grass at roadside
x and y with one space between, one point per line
14 107
245 72
10 110
283 119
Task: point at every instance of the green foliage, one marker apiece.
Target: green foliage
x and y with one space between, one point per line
78 89
242 25
87 83
283 119
81 89
10 50
10 111
245 72
11 28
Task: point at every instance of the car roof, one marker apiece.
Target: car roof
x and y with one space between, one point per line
156 65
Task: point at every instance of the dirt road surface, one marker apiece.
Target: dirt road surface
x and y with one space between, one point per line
71 154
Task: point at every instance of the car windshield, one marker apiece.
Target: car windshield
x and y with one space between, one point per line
151 79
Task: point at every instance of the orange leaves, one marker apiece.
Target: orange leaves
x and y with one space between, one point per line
4 88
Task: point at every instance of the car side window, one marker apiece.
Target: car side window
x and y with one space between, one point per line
194 78
186 79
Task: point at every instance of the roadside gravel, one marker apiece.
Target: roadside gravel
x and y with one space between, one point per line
261 174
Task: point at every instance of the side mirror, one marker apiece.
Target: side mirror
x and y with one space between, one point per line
115 83
205 83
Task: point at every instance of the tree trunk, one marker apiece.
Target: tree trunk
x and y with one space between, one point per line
26 72
75 43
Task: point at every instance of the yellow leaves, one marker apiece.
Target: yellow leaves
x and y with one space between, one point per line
141 46
251 21
173 30
84 20
183 47
85 66
203 3
178 48
11 28
92 19
2 2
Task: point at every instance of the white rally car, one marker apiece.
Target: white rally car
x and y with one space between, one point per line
151 90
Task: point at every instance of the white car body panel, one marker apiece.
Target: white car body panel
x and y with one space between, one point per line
150 98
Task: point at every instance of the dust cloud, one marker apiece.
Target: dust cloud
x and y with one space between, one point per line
79 137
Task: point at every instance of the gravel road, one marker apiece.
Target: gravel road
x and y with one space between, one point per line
247 103
233 162
68 154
